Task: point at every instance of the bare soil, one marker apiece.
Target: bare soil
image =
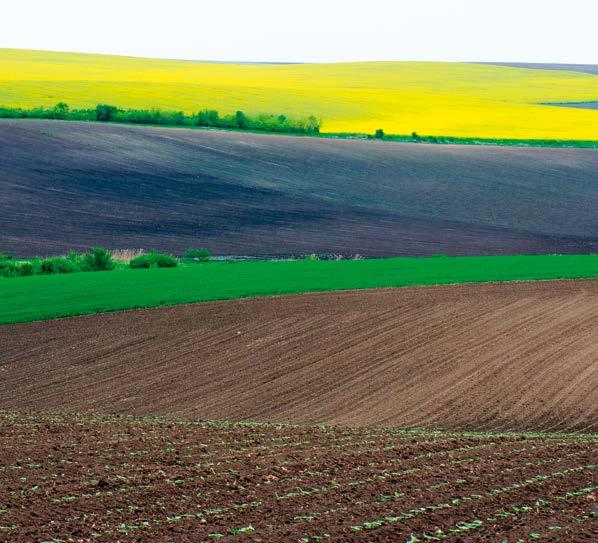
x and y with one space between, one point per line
68 186
511 356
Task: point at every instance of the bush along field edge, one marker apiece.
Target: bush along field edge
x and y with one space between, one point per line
269 123
96 259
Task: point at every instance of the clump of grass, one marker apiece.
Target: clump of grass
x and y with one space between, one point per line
153 259
97 259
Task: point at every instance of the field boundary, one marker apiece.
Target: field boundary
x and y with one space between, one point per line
394 138
48 297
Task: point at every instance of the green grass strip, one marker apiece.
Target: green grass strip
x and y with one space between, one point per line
26 299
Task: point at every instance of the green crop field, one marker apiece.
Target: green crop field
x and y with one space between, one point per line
44 297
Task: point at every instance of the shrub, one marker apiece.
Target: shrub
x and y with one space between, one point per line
25 269
105 112
201 254
379 134
7 268
61 111
153 260
241 119
207 117
57 265
97 259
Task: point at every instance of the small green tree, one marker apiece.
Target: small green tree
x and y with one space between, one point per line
207 117
201 254
241 119
105 113
60 111
379 134
313 124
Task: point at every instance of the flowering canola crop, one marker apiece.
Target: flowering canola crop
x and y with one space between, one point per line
431 98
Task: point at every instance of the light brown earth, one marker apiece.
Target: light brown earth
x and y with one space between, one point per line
493 356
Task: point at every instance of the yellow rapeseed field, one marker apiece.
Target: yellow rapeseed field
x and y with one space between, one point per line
432 98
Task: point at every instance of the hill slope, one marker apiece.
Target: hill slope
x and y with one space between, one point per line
68 186
493 356
451 99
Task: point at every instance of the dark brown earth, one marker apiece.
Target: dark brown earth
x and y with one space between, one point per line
68 186
119 479
488 356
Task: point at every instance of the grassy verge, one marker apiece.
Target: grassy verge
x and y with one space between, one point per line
33 298
503 142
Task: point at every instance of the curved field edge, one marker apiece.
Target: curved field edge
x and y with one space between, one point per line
47 297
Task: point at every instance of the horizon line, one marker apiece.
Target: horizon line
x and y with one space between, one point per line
506 63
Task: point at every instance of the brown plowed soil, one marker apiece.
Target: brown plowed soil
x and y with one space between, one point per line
487 356
118 479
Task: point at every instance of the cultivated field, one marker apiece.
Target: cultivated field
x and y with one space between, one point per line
40 297
456 99
98 478
497 357
305 399
69 186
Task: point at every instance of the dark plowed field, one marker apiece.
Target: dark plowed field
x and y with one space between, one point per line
584 68
107 479
494 356
69 186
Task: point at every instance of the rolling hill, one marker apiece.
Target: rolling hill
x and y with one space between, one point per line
516 356
68 186
450 99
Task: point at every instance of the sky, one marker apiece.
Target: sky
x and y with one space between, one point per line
309 30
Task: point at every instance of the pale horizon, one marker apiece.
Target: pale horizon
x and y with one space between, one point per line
266 31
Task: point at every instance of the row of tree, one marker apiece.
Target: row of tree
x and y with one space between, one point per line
206 118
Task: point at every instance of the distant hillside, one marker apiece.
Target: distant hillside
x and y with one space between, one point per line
69 185
584 68
430 98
